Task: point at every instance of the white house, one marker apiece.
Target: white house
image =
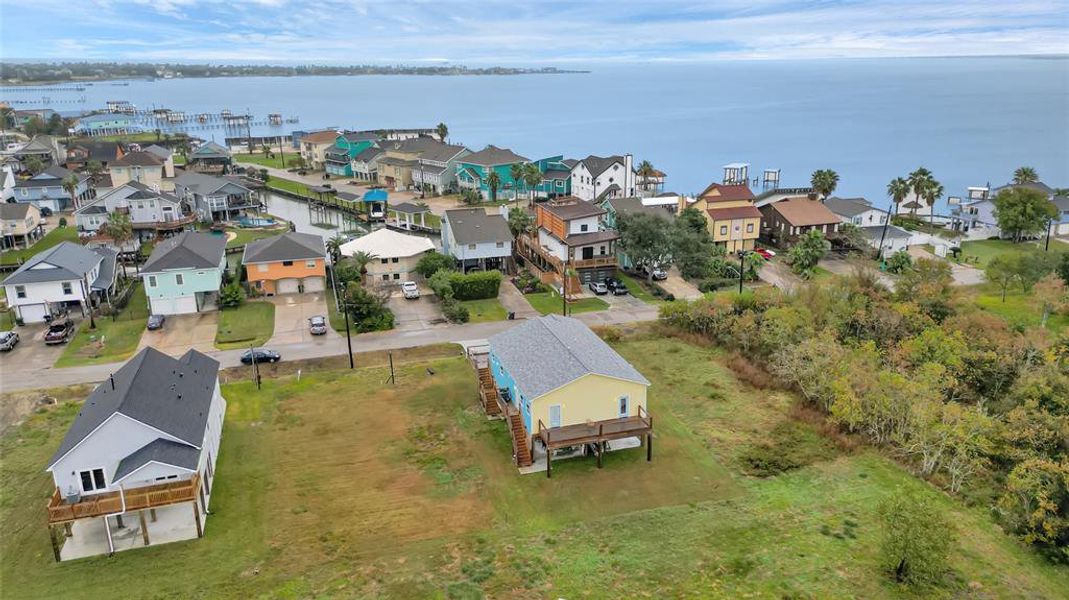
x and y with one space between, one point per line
145 441
394 255
166 156
65 275
142 167
476 239
896 238
151 211
858 211
597 178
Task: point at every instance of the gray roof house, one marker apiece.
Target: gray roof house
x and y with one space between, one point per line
153 426
184 273
214 198
476 238
288 246
858 211
66 274
286 264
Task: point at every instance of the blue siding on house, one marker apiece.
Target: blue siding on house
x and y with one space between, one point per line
505 381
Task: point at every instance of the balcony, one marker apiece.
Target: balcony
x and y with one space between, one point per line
527 246
98 505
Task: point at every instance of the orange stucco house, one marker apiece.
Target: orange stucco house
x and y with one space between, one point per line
292 263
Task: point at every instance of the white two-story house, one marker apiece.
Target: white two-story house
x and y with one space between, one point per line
598 178
144 448
64 276
858 211
569 237
151 211
477 239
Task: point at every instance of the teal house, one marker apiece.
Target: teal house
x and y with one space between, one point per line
474 169
339 157
556 178
184 273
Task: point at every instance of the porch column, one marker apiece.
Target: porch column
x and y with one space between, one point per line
55 544
196 518
423 220
549 462
107 529
152 514
649 447
118 521
144 525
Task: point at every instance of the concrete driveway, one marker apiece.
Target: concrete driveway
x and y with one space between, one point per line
292 312
411 315
182 332
31 353
679 287
848 266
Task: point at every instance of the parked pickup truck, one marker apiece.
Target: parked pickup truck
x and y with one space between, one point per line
59 332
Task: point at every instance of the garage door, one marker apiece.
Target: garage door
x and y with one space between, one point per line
33 313
173 306
287 286
1063 229
313 284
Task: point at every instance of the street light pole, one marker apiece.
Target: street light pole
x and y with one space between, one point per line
742 257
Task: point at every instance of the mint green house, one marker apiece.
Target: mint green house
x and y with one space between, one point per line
339 157
184 273
556 178
474 169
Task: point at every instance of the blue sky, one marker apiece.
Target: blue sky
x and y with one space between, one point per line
524 32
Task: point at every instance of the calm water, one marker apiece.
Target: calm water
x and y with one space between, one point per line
970 121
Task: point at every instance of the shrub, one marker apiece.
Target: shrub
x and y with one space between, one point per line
917 538
441 285
63 221
748 372
715 283
794 445
478 285
432 262
231 295
454 311
899 262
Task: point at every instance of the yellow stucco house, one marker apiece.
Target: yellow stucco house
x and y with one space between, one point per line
564 390
733 220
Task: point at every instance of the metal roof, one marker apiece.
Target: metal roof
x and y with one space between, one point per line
847 207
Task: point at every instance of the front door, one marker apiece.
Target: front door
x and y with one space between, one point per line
623 406
554 415
588 253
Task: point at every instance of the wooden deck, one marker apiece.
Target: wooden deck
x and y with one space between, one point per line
595 433
98 505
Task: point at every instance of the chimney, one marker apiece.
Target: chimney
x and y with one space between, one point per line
629 176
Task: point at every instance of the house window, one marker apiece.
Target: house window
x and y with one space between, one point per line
67 290
93 480
385 277
311 264
623 406
152 281
584 227
471 246
287 263
723 230
20 291
178 279
385 261
501 244
394 259
263 268
749 228
603 250
396 276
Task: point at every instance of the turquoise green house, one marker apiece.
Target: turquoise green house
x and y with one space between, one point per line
474 169
339 157
556 178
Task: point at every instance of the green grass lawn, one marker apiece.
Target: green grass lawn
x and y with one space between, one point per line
244 236
288 185
1019 308
481 311
265 161
985 250
7 320
438 511
637 289
250 324
336 318
57 235
114 339
550 303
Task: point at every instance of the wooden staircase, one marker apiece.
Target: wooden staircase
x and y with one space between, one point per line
488 393
520 449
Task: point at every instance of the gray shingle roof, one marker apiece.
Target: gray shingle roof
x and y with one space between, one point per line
492 155
573 208
368 153
630 206
161 451
202 184
408 207
873 232
546 353
139 159
474 226
106 274
170 394
51 177
847 207
596 165
12 211
159 151
67 261
288 246
361 136
187 250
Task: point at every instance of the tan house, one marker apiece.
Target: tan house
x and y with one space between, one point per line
143 167
401 159
314 147
730 214
787 219
394 255
20 225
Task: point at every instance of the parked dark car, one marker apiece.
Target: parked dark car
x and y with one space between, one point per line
8 340
262 355
46 212
317 325
616 287
156 322
59 331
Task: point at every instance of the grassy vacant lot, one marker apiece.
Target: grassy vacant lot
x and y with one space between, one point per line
244 236
340 485
549 303
7 320
636 288
1019 308
113 339
288 185
250 324
57 235
485 310
985 250
264 161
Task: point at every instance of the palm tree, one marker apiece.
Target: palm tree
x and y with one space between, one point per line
1025 175
70 185
932 193
532 176
898 189
646 171
919 180
120 230
34 165
516 173
443 131
94 168
493 181
334 245
361 259
7 117
824 182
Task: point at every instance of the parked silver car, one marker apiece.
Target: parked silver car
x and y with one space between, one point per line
8 340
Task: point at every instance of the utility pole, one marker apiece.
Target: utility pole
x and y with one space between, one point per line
1046 246
255 365
742 257
886 224
338 302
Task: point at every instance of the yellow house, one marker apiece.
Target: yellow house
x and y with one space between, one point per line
562 387
732 219
19 223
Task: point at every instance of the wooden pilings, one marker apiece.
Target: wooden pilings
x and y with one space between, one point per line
144 526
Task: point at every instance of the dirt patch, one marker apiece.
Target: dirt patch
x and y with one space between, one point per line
16 406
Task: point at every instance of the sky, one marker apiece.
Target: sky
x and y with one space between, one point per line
521 32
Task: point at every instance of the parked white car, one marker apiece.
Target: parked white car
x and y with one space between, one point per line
410 290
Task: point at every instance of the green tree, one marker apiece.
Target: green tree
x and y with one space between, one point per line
231 295
897 189
119 228
516 171
70 185
432 262
470 197
824 182
919 180
532 178
34 165
807 252
932 193
1063 268
1052 294
1002 271
646 172
334 245
647 241
1035 504
493 181
1023 212
265 176
695 253
368 311
930 284
443 131
353 268
1025 175
916 539
520 222
94 168
899 262
853 237
692 219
